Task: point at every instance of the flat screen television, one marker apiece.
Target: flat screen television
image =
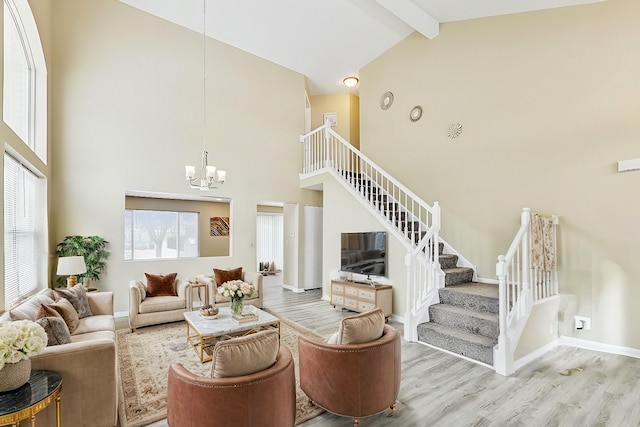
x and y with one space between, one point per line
364 253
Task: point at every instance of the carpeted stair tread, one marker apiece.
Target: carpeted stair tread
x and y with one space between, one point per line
456 275
476 288
475 296
457 341
448 261
477 322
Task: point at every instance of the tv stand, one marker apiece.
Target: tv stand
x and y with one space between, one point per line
362 297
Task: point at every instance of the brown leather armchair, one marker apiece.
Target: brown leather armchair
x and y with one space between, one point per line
353 380
266 398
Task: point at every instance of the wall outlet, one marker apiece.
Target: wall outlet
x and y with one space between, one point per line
582 322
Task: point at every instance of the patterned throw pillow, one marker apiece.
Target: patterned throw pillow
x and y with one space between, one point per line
68 313
77 296
56 329
158 285
223 276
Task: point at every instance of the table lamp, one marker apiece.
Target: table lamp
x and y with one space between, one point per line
70 266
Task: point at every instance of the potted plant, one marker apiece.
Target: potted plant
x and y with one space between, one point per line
92 248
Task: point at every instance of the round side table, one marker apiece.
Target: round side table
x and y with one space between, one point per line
25 402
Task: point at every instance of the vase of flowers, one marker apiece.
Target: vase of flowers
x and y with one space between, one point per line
19 340
236 290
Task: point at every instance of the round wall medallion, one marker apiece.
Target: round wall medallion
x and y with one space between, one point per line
454 130
415 114
386 101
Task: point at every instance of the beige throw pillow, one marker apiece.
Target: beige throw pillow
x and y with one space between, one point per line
68 313
245 355
361 328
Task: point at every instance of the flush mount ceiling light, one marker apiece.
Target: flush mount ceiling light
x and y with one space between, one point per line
350 81
208 176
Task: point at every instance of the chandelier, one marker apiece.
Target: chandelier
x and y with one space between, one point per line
208 176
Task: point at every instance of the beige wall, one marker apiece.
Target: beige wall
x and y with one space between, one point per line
127 116
346 106
549 103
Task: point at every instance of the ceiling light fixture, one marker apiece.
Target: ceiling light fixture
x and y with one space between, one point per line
350 81
209 176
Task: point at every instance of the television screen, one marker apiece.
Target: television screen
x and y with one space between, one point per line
364 253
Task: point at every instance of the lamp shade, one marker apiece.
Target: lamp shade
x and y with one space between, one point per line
71 265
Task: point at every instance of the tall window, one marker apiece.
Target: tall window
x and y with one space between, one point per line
20 231
269 239
24 111
160 234
24 101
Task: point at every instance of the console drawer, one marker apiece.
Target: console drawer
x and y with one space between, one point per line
366 294
351 291
351 303
339 289
337 299
365 306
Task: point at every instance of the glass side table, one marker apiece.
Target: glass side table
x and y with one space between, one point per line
25 402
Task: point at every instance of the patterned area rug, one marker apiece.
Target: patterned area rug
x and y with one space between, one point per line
144 358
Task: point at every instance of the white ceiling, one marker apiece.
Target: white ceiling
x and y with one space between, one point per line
327 40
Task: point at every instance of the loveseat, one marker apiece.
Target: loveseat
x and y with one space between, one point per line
236 274
145 310
88 364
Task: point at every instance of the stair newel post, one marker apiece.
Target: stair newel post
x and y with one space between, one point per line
526 296
554 275
410 331
502 354
435 223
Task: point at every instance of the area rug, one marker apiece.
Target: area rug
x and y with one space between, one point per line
144 358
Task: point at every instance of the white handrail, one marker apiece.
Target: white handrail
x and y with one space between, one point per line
516 278
415 221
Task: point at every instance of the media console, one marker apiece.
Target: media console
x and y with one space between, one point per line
360 297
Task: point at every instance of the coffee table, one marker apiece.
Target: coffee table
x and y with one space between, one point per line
203 334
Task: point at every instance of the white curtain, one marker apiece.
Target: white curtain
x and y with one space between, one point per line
270 235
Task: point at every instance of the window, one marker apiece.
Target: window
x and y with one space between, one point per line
21 243
270 235
25 78
160 234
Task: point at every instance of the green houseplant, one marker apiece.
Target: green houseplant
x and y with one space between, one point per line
92 248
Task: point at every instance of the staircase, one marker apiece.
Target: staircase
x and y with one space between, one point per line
462 316
466 320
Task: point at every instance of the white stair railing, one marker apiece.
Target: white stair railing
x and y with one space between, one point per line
520 286
416 223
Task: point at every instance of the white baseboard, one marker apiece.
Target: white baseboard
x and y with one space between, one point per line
292 289
598 346
579 343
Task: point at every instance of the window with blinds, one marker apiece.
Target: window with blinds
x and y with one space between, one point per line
269 239
20 231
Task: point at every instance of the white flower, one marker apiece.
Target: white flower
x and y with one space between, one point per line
20 340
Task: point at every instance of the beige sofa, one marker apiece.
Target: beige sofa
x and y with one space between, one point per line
145 310
249 277
88 364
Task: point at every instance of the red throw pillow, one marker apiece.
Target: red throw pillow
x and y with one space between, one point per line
223 276
158 285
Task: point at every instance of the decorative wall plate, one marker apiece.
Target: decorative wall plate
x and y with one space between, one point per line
454 130
386 101
415 113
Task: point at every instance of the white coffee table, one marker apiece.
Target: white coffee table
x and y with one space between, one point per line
205 333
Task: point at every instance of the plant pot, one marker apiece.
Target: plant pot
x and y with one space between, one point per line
15 375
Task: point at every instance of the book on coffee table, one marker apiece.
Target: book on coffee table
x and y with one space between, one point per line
244 317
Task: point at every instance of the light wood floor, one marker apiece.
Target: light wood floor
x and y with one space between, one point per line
566 387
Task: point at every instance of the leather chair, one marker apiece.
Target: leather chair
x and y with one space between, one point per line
353 380
266 398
